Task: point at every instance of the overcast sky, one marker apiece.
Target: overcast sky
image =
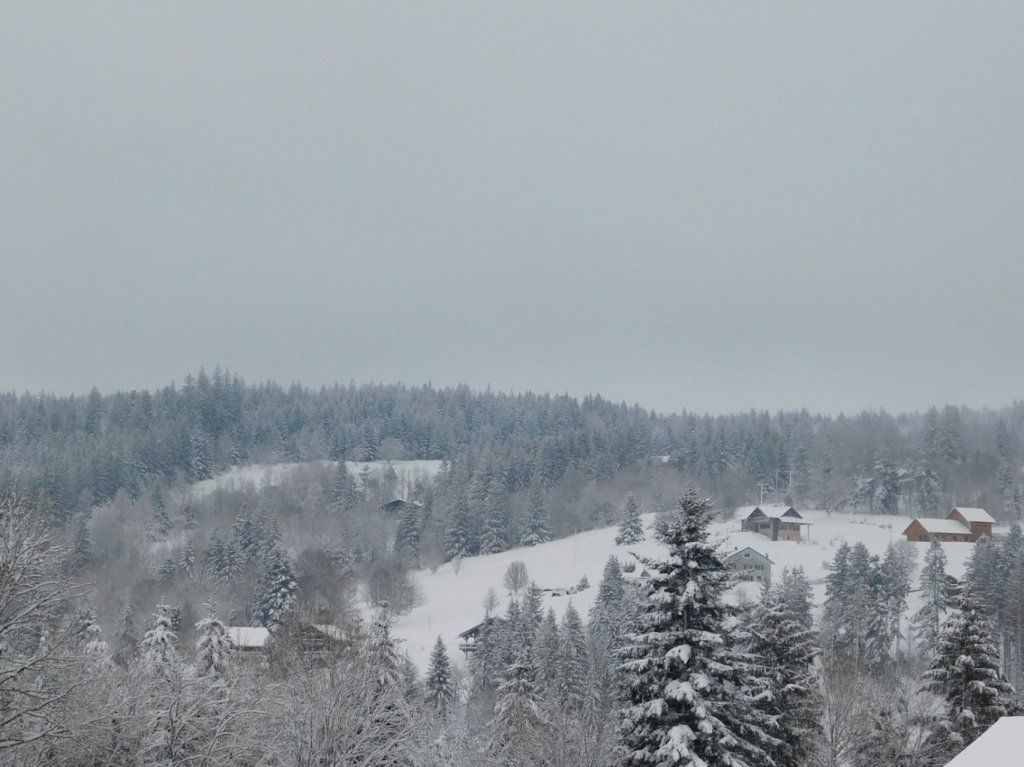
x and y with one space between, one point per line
712 206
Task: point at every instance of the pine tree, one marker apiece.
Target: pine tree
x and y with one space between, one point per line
679 667
927 622
928 492
159 644
81 552
440 692
459 539
574 662
894 586
344 490
517 722
213 649
965 674
407 537
493 536
383 652
547 656
631 529
798 594
187 562
537 529
887 482
275 596
786 647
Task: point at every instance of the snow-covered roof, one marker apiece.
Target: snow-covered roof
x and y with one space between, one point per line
736 555
773 510
941 526
329 631
248 637
1000 744
974 515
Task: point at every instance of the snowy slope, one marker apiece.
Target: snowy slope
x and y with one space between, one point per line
273 474
453 601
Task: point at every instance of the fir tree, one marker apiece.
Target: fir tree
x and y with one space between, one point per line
965 674
459 539
537 528
440 692
517 724
786 647
275 596
407 537
493 536
927 622
887 482
680 670
213 649
798 594
344 490
631 529
383 652
81 552
574 662
547 656
159 644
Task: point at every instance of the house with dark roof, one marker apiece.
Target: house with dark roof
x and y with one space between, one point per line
776 521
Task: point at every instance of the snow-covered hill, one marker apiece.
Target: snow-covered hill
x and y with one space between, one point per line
273 474
454 595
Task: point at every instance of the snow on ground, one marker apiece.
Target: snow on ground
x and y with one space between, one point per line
453 601
273 474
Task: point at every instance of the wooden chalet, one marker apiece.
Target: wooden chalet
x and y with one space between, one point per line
978 520
750 566
469 639
778 522
962 525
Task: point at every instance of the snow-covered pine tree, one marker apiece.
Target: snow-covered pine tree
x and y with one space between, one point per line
187 562
383 653
459 539
927 622
517 723
81 551
159 645
537 528
344 490
213 649
787 649
275 595
547 656
631 529
887 482
894 586
440 690
928 491
965 674
533 614
494 531
798 595
407 537
574 662
683 687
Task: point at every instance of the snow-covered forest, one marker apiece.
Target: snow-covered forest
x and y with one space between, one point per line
220 574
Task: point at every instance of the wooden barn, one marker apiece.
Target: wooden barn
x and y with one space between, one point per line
750 566
778 522
978 520
962 525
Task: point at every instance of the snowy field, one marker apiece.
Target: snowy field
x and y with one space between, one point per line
273 474
453 601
